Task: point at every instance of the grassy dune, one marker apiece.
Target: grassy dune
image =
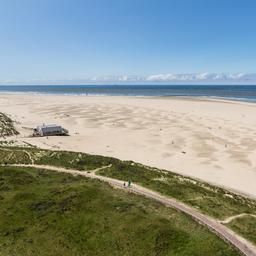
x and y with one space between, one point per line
245 226
211 200
6 126
46 213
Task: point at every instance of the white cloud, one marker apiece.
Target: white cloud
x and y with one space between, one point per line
121 78
202 77
193 78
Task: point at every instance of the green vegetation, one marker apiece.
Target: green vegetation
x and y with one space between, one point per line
79 161
47 213
6 126
73 160
210 200
245 226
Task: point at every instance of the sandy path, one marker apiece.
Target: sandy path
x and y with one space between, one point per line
240 243
214 141
229 219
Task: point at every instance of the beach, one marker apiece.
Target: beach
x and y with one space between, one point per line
212 140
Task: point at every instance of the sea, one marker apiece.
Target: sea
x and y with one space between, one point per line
234 92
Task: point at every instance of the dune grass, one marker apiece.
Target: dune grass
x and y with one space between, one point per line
79 161
245 226
213 201
210 200
6 126
47 213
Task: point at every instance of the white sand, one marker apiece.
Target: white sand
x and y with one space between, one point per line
208 139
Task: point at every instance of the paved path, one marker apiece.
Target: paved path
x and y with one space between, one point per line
237 241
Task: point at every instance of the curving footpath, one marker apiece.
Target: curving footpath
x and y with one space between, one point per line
237 241
229 219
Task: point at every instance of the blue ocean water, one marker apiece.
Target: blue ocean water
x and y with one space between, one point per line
235 92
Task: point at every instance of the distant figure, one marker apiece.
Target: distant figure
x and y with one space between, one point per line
129 183
124 184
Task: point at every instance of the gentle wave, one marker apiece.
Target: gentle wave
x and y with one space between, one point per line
231 92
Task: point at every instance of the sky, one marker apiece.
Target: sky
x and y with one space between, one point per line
127 41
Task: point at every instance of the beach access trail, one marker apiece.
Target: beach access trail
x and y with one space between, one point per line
244 246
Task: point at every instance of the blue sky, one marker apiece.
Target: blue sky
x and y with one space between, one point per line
90 41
